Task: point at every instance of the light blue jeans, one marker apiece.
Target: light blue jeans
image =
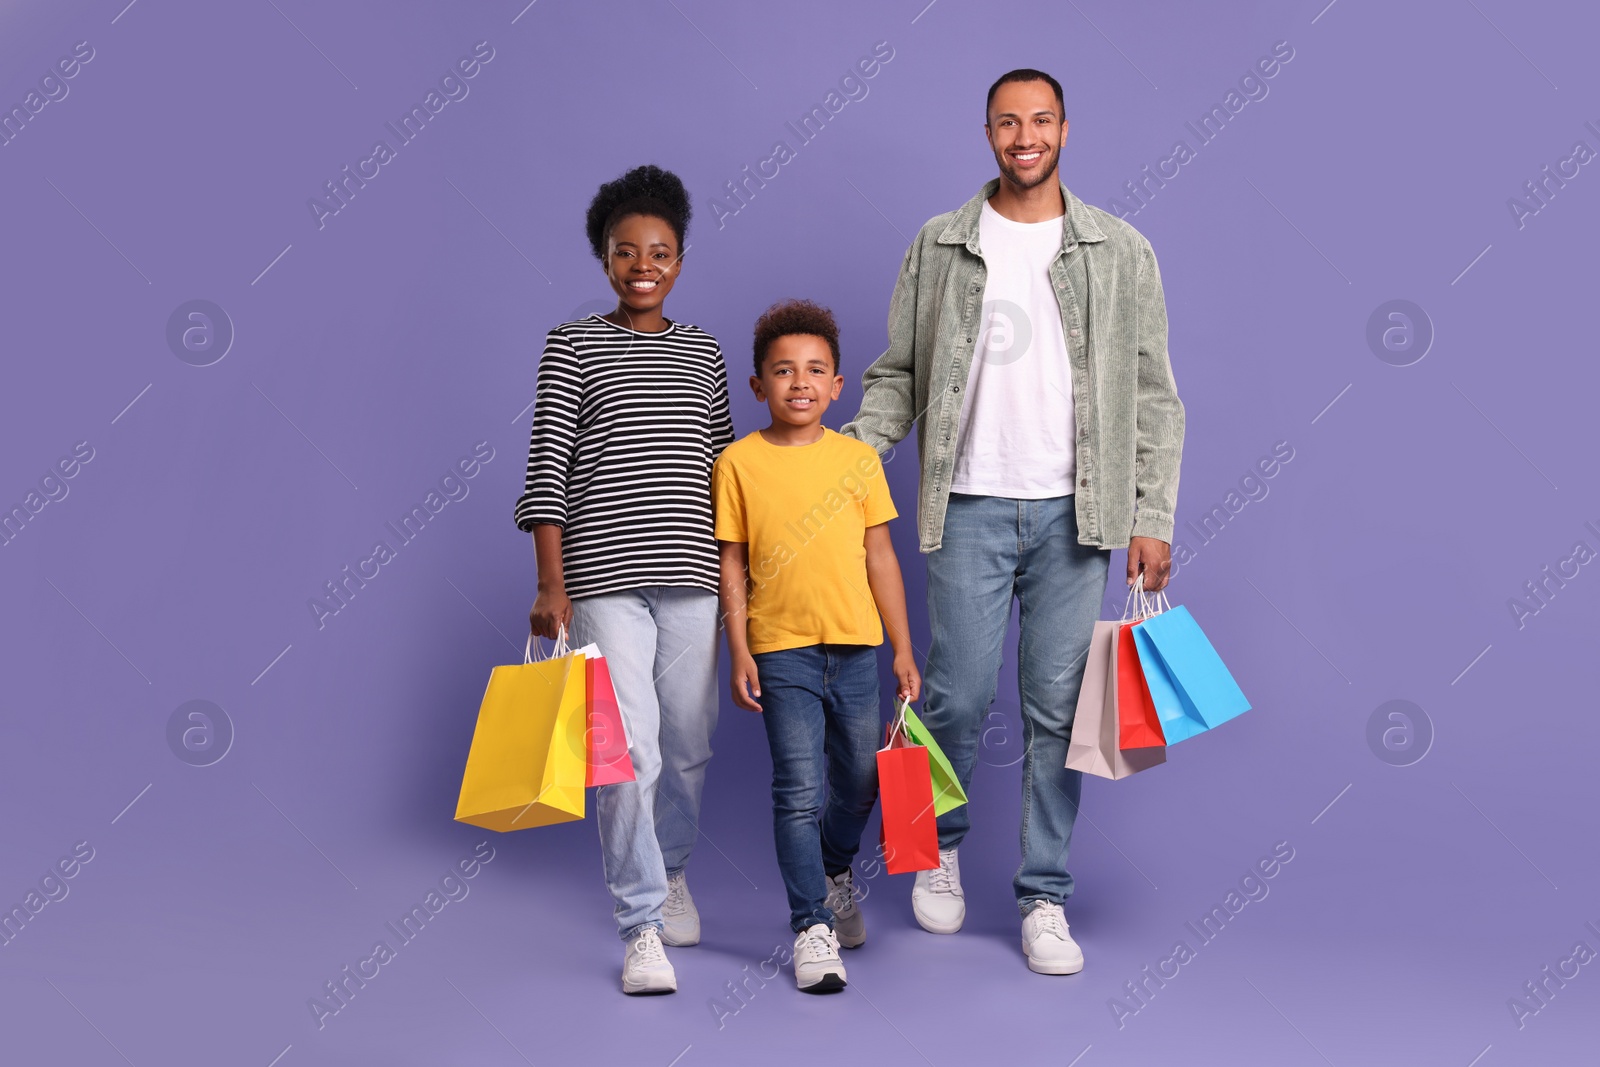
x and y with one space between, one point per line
660 645
995 549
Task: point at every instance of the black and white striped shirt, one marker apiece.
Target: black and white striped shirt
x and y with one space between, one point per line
626 426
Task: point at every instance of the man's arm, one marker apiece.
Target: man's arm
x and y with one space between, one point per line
889 593
1158 437
888 386
734 590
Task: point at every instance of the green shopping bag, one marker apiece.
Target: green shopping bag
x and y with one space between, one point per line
947 791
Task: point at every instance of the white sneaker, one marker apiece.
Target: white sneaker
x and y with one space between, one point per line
937 900
680 919
645 968
816 960
849 925
1047 943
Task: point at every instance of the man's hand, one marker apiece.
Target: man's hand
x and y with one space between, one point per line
746 683
1154 558
905 674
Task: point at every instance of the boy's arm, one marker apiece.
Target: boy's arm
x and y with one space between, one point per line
889 593
735 597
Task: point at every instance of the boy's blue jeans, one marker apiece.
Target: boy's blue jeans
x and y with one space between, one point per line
820 707
996 549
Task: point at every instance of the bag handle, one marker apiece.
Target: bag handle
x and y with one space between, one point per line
557 649
897 726
1137 588
1147 604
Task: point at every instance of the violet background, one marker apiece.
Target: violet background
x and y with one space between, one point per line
1379 567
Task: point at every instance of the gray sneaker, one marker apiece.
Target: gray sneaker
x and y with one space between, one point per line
680 919
848 922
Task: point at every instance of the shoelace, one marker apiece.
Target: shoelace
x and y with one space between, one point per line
942 878
841 896
648 946
677 893
818 945
1049 920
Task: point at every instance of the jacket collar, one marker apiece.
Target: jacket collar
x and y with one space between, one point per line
963 229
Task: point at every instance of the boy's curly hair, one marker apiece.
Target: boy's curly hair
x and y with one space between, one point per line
646 190
795 317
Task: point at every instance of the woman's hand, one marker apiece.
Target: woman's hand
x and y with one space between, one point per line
551 611
906 676
746 683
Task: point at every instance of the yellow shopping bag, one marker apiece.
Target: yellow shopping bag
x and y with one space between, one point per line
526 764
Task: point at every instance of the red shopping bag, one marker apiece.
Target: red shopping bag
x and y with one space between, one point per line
1139 725
909 836
605 740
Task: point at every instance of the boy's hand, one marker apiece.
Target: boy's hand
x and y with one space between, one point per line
746 684
905 674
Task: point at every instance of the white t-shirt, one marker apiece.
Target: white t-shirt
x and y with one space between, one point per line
1017 421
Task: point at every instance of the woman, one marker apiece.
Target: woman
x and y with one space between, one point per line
630 412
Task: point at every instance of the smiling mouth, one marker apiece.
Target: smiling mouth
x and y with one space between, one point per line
800 401
1026 158
643 286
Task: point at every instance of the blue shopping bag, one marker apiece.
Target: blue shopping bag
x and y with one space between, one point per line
1179 720
1208 692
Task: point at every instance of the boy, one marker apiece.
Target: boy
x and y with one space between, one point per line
807 568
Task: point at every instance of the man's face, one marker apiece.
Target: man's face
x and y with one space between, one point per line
1026 130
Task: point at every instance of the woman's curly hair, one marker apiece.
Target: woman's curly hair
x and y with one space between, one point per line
789 317
646 190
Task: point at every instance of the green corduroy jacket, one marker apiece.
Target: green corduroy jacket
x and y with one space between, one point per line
1130 420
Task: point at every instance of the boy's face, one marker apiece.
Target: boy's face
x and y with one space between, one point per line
797 380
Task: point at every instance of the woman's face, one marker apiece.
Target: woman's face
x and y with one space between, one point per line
642 261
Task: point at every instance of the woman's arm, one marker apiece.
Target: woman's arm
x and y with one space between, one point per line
542 508
551 609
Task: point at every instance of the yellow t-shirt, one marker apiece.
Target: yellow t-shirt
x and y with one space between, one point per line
804 510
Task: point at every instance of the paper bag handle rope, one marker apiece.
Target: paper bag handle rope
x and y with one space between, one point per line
557 650
897 727
1146 605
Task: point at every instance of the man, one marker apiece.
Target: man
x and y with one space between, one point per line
1028 342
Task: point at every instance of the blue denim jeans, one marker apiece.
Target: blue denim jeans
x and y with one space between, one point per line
820 707
660 645
995 549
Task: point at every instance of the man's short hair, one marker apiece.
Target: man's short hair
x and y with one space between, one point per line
1025 74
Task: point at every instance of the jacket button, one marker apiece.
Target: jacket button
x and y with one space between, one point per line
969 340
1084 484
1074 331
